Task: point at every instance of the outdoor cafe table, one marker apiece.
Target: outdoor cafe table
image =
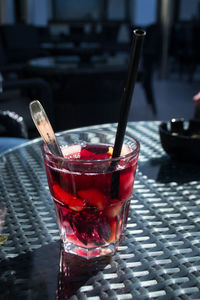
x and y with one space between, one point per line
159 258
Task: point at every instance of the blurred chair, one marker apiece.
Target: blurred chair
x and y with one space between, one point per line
77 33
185 47
17 94
44 34
18 91
13 131
109 33
150 59
90 97
12 125
8 69
21 42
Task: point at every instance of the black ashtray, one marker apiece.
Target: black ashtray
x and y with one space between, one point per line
181 139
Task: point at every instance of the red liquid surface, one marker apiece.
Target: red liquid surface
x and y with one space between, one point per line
88 214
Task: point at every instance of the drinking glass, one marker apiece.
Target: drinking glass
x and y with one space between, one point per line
91 190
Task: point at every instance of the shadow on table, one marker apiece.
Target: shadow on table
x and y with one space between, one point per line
165 170
75 272
32 275
46 273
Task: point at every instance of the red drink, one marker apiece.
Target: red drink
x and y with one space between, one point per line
91 220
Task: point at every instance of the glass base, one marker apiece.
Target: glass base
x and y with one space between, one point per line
91 252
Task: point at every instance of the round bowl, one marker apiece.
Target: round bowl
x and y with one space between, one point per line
181 139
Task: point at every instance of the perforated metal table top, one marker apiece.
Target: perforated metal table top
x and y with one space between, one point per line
159 259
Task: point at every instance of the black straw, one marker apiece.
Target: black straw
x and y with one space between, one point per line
136 49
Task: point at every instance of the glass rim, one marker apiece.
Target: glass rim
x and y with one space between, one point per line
133 153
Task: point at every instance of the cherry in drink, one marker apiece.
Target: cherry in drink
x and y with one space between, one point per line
92 220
